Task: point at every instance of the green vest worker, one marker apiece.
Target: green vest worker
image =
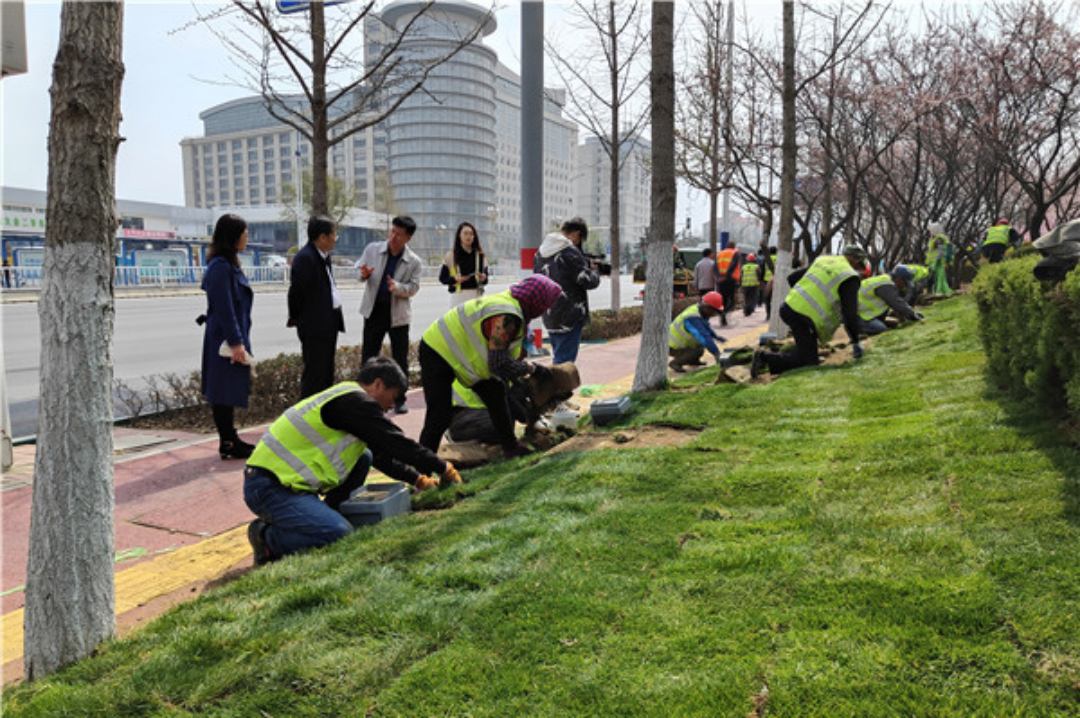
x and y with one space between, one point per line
751 285
325 444
916 278
997 240
821 297
690 334
474 343
877 295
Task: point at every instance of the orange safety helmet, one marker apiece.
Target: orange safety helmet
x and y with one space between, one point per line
714 300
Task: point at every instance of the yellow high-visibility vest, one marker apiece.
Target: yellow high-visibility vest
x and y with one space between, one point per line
458 336
303 452
817 294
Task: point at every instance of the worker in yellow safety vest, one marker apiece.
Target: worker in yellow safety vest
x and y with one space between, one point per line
821 298
729 270
476 343
690 334
751 284
324 445
997 240
877 295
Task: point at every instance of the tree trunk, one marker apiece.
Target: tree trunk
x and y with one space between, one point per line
319 141
69 584
787 173
651 370
616 155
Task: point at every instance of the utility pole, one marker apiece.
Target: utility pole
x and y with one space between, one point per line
299 193
728 82
532 131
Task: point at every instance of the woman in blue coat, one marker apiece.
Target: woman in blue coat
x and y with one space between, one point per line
226 380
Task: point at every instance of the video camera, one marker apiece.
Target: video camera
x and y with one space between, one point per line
600 262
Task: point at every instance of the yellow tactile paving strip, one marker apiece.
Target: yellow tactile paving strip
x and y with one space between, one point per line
141 583
210 558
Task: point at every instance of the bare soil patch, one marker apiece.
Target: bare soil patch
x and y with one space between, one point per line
639 437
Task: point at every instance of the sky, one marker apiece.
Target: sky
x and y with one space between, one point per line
170 78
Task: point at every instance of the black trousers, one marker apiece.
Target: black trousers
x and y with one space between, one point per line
223 421
806 343
994 253
749 300
376 327
727 288
318 354
438 377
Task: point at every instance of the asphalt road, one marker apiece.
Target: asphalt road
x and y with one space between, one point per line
158 335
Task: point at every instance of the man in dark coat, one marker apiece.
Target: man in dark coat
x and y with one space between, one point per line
560 259
315 305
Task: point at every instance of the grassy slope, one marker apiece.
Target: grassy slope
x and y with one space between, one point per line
884 539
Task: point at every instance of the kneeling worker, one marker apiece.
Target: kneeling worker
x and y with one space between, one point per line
529 400
877 295
821 297
690 334
325 444
476 343
918 280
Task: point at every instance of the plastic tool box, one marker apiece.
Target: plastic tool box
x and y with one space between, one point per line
605 411
374 502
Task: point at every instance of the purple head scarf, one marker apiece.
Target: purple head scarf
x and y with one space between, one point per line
536 293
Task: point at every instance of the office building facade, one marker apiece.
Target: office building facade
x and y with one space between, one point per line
592 196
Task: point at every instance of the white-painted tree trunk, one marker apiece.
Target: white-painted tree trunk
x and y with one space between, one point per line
69 585
651 370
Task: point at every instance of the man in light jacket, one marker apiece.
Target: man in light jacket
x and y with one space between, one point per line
560 259
391 272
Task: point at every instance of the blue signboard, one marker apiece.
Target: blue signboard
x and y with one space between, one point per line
287 6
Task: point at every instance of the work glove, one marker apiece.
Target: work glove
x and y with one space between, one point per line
540 371
918 317
856 350
450 476
424 483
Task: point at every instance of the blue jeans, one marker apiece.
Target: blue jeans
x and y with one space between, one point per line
564 345
297 520
872 327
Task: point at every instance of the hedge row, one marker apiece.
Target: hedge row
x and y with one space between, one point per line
609 324
175 401
1029 331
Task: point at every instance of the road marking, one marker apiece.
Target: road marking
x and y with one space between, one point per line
139 584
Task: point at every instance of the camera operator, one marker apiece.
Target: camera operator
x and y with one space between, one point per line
560 259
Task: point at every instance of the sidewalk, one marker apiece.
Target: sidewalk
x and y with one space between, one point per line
180 517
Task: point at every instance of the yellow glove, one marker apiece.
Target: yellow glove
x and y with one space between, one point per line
450 476
423 483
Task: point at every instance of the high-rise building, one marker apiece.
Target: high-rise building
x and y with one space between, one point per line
449 153
560 140
592 196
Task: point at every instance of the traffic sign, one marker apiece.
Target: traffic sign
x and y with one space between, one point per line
288 6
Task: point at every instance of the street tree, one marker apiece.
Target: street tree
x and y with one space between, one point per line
603 82
69 584
651 370
341 197
704 107
1023 99
331 72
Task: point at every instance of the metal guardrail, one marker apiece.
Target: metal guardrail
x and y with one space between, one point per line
29 278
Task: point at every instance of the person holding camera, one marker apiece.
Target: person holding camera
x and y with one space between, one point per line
560 259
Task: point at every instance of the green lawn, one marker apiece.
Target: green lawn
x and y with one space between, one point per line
885 539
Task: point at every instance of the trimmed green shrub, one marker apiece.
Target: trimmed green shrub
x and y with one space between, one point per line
609 324
1029 331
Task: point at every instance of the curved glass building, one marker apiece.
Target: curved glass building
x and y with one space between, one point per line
441 142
